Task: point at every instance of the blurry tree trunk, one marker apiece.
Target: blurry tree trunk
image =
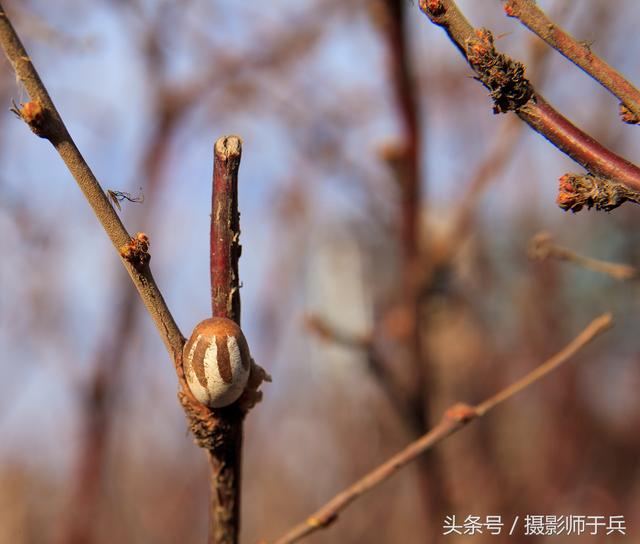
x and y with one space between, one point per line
411 352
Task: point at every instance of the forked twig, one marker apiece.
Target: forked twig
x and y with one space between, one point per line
543 247
580 53
454 419
511 91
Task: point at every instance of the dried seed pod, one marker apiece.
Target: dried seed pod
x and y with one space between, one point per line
216 362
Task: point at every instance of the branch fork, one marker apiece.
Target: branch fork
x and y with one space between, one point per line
617 178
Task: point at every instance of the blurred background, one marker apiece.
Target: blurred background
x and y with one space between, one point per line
386 220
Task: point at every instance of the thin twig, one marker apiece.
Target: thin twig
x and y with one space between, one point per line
454 419
330 332
511 91
47 123
496 159
381 372
225 229
543 247
580 53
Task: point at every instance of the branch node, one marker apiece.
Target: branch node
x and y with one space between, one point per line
509 11
211 431
435 8
36 116
251 395
543 247
503 76
540 246
461 412
316 523
628 116
136 251
578 190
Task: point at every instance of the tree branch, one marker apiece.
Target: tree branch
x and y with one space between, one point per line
536 20
329 332
225 460
578 145
454 419
542 247
225 229
219 431
43 118
413 398
222 431
380 371
511 91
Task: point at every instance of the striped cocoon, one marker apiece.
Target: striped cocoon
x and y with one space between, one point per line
216 362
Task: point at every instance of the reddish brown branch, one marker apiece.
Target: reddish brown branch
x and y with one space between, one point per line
225 229
225 459
413 400
580 53
509 90
578 145
494 162
405 162
407 158
453 420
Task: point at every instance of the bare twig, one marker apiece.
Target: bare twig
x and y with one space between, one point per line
407 157
578 145
414 398
404 160
225 229
329 332
219 431
580 53
454 419
496 159
511 91
43 118
381 372
225 460
543 247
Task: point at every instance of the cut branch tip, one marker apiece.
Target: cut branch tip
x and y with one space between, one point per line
228 147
